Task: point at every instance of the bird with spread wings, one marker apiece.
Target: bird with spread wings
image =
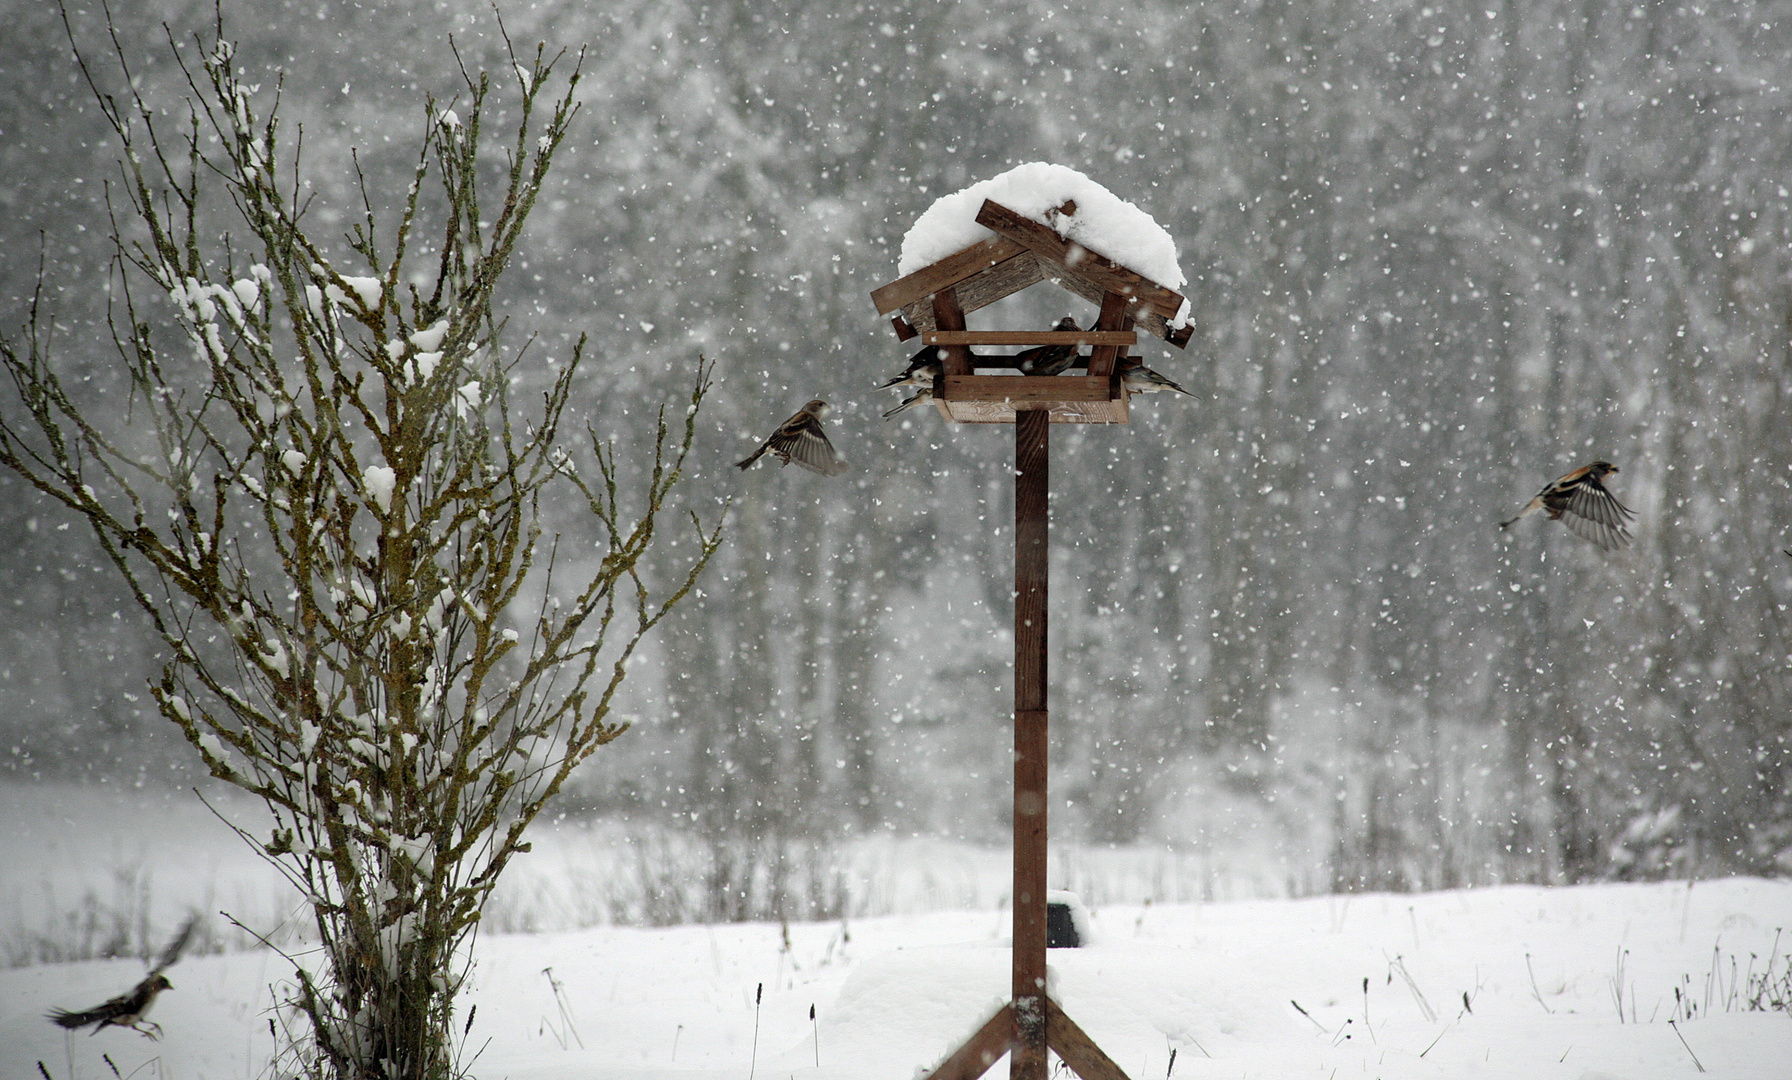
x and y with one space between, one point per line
801 440
1580 501
127 1009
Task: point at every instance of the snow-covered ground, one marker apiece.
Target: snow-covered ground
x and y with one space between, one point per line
1216 983
1575 983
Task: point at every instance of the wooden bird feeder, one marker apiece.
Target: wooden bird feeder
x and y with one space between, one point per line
931 303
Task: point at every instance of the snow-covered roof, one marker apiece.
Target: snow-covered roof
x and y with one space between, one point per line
1104 223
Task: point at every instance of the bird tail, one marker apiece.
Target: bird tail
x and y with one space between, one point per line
910 403
747 464
1529 508
72 1020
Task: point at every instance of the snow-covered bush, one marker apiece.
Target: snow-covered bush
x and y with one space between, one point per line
328 506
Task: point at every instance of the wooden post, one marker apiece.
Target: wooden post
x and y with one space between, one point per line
1032 455
948 315
1114 316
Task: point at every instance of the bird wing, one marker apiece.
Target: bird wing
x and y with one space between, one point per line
1592 501
178 945
802 442
1159 379
112 1009
1596 516
1598 533
929 355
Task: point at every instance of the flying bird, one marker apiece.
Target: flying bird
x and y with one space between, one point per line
1139 379
920 397
801 440
1049 359
127 1009
922 367
1580 501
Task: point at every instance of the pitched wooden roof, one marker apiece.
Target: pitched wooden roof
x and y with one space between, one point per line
1023 253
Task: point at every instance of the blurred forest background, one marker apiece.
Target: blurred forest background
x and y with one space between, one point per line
1437 255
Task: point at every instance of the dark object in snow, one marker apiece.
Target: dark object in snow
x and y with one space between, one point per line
1579 501
126 1010
1060 928
1066 921
801 440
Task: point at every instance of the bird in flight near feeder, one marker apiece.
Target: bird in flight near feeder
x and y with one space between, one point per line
1139 379
800 440
127 1009
1580 501
922 367
1049 359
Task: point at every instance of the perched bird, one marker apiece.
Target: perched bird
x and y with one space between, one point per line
1139 379
920 397
801 440
126 1010
1049 359
922 367
1580 501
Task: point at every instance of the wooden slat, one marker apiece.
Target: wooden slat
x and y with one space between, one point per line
1028 337
1149 321
1110 276
1104 357
1112 411
1019 273
949 271
947 315
983 289
903 330
1025 388
1077 1049
981 1050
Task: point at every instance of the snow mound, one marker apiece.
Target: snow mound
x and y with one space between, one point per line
1104 223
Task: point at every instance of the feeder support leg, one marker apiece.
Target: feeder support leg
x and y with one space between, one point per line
1032 454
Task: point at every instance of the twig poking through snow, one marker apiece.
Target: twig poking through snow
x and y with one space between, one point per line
1366 1023
1434 1042
1536 993
566 1025
753 1066
1683 1042
1398 966
1616 982
1306 1014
